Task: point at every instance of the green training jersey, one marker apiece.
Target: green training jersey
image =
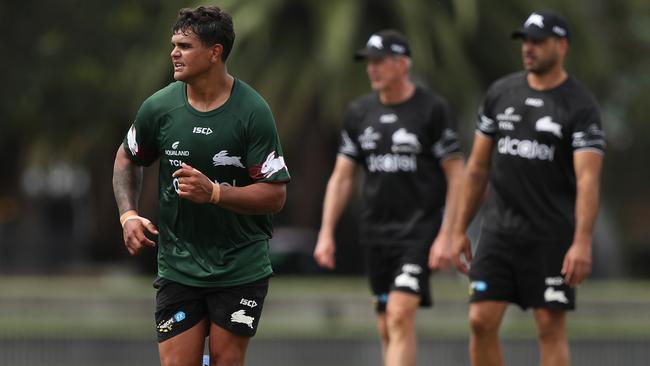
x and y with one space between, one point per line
236 144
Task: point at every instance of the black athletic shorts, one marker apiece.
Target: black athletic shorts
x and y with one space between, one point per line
523 272
236 309
398 268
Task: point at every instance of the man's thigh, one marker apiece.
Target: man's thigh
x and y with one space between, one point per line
186 348
178 308
523 272
540 280
492 276
238 309
399 269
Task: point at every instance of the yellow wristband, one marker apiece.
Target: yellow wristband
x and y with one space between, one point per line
125 216
216 193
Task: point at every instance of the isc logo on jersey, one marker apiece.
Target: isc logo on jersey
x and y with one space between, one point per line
202 130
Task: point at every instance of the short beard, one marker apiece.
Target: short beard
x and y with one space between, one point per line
543 67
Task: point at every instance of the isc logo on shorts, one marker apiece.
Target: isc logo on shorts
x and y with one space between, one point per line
249 303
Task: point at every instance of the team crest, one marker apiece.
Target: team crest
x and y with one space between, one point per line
131 140
222 158
272 165
240 316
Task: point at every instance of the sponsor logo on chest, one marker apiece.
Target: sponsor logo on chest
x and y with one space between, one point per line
368 139
527 149
507 119
175 152
534 102
388 118
202 130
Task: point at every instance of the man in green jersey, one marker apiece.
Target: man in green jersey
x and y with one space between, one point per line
222 176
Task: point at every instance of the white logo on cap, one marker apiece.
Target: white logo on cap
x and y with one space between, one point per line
376 42
534 19
398 48
559 31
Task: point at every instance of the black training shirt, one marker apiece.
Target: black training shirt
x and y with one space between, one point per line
400 147
535 133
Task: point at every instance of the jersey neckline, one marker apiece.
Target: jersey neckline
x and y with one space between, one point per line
408 100
214 111
560 86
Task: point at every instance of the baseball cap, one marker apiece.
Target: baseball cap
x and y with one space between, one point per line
383 43
543 24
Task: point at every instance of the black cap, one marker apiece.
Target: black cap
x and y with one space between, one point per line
543 24
383 43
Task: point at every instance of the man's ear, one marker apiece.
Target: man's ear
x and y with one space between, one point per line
564 45
217 51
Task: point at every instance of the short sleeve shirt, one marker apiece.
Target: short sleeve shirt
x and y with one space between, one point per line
401 148
236 144
536 133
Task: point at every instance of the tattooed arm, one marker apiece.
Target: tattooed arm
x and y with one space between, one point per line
127 183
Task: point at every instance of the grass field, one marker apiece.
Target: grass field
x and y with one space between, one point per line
322 307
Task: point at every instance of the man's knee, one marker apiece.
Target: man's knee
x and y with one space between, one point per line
399 317
401 313
227 359
483 323
178 359
550 325
382 328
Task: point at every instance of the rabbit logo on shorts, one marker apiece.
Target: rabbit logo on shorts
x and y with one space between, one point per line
240 316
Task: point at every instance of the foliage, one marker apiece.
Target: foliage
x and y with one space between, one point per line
75 73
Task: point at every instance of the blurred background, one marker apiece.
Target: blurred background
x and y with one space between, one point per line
75 72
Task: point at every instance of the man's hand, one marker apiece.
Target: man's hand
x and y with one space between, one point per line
440 253
461 246
324 252
577 263
134 234
193 185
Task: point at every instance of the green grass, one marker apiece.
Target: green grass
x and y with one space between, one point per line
324 307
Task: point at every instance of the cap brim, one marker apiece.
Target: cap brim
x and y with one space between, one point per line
366 53
532 33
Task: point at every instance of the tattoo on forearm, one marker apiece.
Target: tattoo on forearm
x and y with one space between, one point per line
127 183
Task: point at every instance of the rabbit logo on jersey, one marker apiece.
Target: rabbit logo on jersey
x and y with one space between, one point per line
405 142
272 165
546 124
131 140
222 158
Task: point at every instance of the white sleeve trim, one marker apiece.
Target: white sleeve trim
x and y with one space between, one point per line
483 134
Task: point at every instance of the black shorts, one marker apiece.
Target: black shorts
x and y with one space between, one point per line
236 309
398 268
526 273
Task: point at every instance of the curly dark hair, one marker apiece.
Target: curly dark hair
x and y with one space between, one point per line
211 24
